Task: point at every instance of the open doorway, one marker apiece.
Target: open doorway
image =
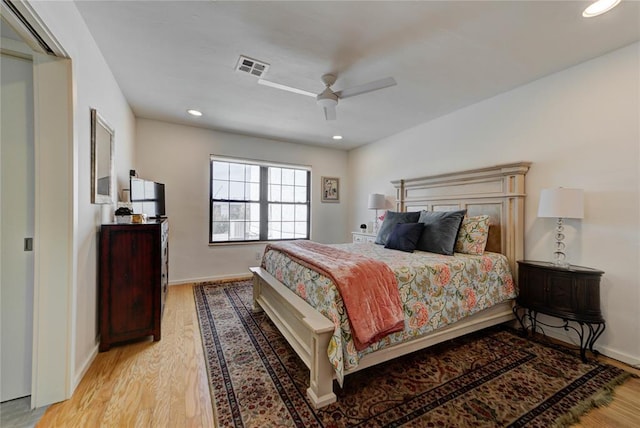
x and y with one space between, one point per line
17 196
51 177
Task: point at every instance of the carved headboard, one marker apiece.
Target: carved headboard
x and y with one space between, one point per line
497 191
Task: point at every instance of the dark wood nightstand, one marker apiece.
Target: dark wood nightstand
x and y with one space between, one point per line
571 293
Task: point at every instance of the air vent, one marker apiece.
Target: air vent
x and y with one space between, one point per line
251 66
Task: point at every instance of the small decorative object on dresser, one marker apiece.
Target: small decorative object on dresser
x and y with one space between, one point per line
123 215
571 293
363 237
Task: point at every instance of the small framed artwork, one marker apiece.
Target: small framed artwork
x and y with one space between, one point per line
330 189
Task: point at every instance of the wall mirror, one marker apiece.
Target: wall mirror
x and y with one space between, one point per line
102 137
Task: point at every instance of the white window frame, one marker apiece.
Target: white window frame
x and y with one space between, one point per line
299 207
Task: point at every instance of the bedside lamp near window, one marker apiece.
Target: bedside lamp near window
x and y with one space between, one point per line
561 203
376 202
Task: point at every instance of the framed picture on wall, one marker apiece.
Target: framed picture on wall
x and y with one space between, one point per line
330 189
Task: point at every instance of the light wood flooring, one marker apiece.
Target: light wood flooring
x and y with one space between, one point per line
145 384
164 384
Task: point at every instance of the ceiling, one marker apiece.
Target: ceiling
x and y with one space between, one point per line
169 56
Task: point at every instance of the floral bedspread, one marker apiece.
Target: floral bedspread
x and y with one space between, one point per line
435 290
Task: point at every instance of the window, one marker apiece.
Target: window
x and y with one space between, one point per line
254 201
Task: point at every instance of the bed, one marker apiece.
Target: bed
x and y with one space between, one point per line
495 191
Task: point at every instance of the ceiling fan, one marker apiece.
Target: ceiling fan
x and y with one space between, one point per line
328 99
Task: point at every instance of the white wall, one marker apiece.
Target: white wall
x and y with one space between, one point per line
94 86
178 156
580 128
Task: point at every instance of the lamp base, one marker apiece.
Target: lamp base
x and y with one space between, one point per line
561 263
559 257
376 225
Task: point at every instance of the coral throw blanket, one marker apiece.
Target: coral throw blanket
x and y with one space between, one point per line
367 286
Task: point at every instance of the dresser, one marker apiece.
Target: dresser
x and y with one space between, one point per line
134 279
571 293
363 237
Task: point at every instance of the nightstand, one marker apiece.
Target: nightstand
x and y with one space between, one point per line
571 293
363 237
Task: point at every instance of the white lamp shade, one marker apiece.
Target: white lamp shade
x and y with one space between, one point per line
376 201
561 203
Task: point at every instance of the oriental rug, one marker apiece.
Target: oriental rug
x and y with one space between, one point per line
491 378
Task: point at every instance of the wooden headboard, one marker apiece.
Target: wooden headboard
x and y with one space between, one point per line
497 191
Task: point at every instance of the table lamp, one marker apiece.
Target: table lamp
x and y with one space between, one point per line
376 202
561 203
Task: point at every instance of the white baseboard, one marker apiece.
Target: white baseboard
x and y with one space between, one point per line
620 356
607 351
83 369
237 276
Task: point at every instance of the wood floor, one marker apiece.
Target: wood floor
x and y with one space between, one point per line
145 384
164 384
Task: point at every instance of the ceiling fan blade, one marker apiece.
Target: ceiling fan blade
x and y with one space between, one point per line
330 112
367 87
286 88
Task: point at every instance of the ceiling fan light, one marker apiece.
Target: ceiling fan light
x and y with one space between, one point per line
599 7
327 102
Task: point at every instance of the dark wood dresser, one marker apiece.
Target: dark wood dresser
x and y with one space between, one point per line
134 279
571 293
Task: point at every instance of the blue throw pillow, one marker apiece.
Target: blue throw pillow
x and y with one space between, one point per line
440 231
392 218
404 236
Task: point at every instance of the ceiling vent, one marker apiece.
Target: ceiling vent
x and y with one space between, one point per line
251 66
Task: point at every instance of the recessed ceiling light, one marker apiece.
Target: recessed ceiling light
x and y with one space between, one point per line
599 7
193 112
337 137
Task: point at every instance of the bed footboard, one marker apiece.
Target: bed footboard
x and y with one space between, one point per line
306 330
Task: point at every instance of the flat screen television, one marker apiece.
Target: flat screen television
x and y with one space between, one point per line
147 197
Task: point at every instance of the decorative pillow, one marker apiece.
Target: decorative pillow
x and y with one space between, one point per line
440 231
392 218
473 235
404 237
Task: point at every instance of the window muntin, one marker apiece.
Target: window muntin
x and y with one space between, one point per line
251 201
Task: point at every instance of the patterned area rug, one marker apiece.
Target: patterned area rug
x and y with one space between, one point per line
486 379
